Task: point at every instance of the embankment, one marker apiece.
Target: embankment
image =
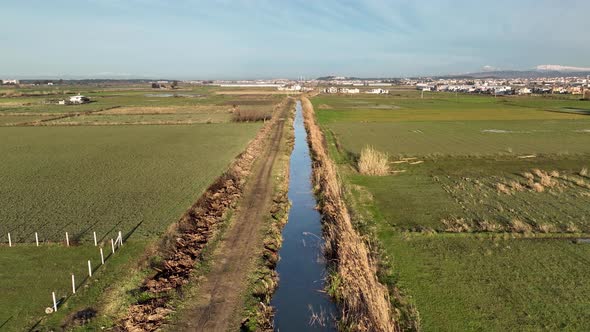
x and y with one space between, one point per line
363 301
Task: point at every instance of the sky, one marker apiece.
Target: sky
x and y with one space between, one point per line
223 39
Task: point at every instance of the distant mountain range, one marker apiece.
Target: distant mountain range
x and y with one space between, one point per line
506 74
549 71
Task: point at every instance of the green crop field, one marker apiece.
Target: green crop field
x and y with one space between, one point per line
106 179
102 172
485 195
30 274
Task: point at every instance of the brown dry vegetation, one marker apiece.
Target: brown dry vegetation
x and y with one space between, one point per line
166 110
519 226
364 301
250 115
373 162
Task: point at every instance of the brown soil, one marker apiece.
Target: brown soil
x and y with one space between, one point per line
222 290
198 226
364 301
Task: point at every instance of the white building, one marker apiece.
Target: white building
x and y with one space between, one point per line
15 82
331 90
525 91
349 90
79 99
378 91
295 87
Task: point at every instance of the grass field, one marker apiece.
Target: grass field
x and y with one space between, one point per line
102 172
471 284
478 188
33 273
58 179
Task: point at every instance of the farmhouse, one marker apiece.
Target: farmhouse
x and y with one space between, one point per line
79 99
349 90
10 82
378 91
294 87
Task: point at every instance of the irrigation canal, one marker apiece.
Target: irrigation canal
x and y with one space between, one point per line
300 301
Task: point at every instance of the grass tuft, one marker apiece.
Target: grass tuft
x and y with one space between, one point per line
373 162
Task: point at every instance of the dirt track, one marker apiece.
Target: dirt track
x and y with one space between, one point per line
221 292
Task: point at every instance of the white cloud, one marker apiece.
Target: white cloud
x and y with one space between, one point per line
489 68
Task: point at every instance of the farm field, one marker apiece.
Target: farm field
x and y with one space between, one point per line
133 161
33 273
477 216
74 176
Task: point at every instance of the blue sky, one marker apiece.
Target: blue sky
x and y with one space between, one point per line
189 39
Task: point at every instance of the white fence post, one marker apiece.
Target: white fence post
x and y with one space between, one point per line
101 256
9 240
67 239
95 243
73 284
120 238
54 302
89 269
37 238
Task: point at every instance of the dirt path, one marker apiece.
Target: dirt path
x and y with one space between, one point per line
221 292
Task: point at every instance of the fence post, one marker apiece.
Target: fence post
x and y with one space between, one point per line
54 302
67 239
73 284
120 239
89 269
9 240
37 239
95 243
101 256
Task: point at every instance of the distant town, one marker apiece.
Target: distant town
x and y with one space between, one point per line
573 85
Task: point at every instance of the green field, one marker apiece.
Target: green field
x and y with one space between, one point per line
108 179
471 284
103 172
478 187
32 273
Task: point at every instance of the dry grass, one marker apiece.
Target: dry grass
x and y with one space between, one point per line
519 226
571 228
516 186
250 115
489 226
373 162
528 175
503 189
584 172
546 228
535 186
166 110
456 225
364 301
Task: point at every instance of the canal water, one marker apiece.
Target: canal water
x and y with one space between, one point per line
300 301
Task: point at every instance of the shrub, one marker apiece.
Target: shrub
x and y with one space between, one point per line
373 162
520 226
250 115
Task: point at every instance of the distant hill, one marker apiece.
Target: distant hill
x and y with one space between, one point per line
520 74
500 74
